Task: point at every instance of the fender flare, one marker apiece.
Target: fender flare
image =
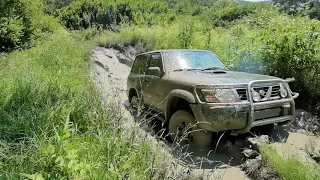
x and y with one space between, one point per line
178 93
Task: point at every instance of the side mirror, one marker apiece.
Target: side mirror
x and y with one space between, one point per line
289 80
155 71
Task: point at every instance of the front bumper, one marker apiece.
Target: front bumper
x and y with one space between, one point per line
240 117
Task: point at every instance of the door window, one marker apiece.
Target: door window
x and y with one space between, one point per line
156 61
140 64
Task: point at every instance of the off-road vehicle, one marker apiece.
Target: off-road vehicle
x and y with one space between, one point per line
193 90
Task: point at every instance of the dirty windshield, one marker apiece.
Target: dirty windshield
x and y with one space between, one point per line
193 60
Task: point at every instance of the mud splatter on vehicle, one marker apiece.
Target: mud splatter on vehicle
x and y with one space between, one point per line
195 92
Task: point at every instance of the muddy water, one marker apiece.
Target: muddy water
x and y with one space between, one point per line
218 162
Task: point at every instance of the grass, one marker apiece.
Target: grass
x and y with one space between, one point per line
291 168
54 124
192 33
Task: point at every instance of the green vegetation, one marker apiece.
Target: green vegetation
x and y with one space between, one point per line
309 8
53 123
265 42
23 21
291 168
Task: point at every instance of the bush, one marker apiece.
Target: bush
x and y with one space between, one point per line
85 14
300 8
22 22
11 33
292 50
231 13
53 5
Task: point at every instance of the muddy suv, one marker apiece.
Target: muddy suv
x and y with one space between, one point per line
195 92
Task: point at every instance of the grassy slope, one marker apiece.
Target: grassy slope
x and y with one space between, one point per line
291 168
53 123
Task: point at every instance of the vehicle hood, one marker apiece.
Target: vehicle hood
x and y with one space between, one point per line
215 77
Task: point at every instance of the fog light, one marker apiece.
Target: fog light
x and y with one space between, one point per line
255 96
283 91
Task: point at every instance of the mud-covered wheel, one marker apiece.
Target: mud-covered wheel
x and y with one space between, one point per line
182 127
135 105
134 102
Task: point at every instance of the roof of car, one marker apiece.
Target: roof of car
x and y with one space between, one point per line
168 50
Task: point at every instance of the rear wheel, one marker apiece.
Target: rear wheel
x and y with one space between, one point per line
182 128
134 102
135 105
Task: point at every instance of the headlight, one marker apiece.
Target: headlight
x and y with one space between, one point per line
225 95
218 95
283 92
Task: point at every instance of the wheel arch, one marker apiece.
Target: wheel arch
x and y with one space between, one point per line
178 100
132 92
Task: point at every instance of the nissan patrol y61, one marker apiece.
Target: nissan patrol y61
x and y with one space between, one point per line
193 90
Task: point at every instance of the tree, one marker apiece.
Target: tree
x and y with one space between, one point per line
52 5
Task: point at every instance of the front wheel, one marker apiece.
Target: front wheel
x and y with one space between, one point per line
183 127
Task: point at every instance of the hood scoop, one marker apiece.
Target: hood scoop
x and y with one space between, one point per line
218 72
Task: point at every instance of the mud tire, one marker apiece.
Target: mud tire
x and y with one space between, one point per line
135 105
182 128
134 102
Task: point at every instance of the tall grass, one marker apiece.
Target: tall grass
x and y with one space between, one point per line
291 168
189 33
54 124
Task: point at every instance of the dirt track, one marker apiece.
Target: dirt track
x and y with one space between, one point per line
111 74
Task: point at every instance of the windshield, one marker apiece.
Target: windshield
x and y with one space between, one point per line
180 60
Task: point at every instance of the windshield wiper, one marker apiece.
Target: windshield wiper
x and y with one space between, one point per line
198 69
216 68
192 69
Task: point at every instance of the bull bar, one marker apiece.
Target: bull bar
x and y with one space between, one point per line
258 105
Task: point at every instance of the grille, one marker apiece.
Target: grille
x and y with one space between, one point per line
274 92
264 88
242 94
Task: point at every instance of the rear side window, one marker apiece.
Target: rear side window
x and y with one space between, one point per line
155 60
140 64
